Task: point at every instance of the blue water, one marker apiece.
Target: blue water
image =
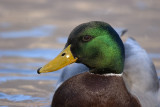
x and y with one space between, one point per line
4 25
25 71
19 97
62 40
154 55
24 66
31 53
27 68
34 76
141 5
45 30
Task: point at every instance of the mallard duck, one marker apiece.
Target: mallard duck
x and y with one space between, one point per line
97 45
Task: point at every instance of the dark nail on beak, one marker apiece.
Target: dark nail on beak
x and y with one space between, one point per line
38 70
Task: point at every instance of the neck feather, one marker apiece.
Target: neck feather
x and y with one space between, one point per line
103 71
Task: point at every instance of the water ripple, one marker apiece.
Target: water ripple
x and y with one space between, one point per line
32 53
18 97
45 30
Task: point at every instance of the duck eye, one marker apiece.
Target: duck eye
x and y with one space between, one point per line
87 38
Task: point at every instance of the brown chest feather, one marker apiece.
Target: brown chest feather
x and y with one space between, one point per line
92 90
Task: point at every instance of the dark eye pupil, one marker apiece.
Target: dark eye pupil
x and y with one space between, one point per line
87 38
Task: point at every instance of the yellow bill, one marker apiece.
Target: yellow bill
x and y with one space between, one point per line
63 59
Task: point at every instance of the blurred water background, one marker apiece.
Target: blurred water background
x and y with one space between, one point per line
32 32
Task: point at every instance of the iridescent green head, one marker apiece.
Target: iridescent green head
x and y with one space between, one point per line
97 45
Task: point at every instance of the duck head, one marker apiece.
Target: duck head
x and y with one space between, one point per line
95 44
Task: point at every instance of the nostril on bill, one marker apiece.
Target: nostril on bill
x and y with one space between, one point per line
63 54
38 70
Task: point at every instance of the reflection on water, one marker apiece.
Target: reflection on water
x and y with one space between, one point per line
16 98
32 53
23 66
154 55
62 40
25 75
45 30
19 79
141 5
26 72
4 25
